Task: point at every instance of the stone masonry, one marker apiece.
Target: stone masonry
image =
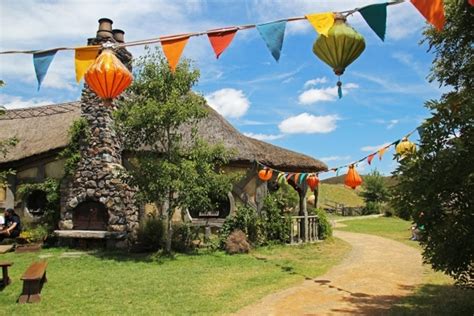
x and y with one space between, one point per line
97 174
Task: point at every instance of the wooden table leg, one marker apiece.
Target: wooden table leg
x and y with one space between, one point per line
5 278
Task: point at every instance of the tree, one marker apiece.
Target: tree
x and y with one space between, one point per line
175 169
374 188
438 180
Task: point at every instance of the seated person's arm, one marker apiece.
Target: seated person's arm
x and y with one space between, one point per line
11 227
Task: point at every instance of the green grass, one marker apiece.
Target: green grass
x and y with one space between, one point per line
206 283
340 194
438 295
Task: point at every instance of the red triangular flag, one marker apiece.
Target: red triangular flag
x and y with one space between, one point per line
220 39
432 10
369 158
173 48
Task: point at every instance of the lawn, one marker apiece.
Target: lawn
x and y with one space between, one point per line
340 193
438 295
205 283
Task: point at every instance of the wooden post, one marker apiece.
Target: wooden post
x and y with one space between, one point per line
303 212
316 196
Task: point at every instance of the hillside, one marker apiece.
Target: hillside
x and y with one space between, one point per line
329 194
389 180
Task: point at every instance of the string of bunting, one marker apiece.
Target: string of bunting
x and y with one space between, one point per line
272 33
403 146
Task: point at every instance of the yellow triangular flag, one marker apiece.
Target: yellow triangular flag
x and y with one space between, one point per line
173 48
321 22
83 58
381 152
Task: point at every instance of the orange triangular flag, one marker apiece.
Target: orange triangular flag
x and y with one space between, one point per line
220 39
173 48
432 10
381 152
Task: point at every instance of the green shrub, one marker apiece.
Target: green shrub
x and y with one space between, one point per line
372 208
324 226
183 235
151 233
246 220
276 225
39 233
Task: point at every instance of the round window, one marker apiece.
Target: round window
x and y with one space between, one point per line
36 203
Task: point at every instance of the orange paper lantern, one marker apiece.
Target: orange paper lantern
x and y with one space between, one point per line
107 76
352 180
265 174
313 181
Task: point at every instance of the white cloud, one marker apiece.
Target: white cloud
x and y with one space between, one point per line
14 102
315 95
313 82
374 148
308 124
335 158
390 123
264 136
228 102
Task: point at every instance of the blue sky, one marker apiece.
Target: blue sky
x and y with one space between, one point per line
291 103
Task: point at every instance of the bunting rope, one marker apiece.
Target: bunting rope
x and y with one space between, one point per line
272 34
185 35
380 151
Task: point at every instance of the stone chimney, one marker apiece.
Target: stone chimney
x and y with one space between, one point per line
96 205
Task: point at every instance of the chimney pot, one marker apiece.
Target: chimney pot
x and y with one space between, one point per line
105 28
118 35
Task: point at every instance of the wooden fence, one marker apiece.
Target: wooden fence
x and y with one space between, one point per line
303 229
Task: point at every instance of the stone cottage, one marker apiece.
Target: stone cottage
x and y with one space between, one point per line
95 203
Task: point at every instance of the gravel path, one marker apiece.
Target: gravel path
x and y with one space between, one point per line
376 273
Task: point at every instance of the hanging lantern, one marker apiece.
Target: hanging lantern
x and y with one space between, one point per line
405 147
313 181
265 174
352 180
107 76
340 48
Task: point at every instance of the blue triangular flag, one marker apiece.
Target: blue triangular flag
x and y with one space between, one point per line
376 17
273 34
41 61
421 131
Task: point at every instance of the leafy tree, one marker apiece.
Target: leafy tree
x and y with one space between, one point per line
438 180
374 188
175 169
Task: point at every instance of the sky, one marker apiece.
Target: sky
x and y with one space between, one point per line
291 103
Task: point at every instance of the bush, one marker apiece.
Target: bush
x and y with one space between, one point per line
324 226
276 227
371 208
36 234
183 236
151 233
237 243
246 220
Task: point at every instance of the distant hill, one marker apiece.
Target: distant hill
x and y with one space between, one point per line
389 180
329 194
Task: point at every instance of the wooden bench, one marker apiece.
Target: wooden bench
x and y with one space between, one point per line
33 280
5 278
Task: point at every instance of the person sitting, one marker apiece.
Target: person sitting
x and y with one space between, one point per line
12 225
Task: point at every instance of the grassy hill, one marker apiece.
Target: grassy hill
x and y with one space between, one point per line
330 193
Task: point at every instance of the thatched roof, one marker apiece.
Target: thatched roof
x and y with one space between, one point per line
44 129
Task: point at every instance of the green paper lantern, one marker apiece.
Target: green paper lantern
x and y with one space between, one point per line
340 48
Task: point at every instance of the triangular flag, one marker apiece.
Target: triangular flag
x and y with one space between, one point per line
369 158
421 129
321 22
220 40
173 48
84 57
395 143
381 152
337 172
376 17
41 62
432 10
273 34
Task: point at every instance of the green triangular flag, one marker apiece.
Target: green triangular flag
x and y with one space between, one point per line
376 17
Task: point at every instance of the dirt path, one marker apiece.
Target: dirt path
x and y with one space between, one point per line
376 273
